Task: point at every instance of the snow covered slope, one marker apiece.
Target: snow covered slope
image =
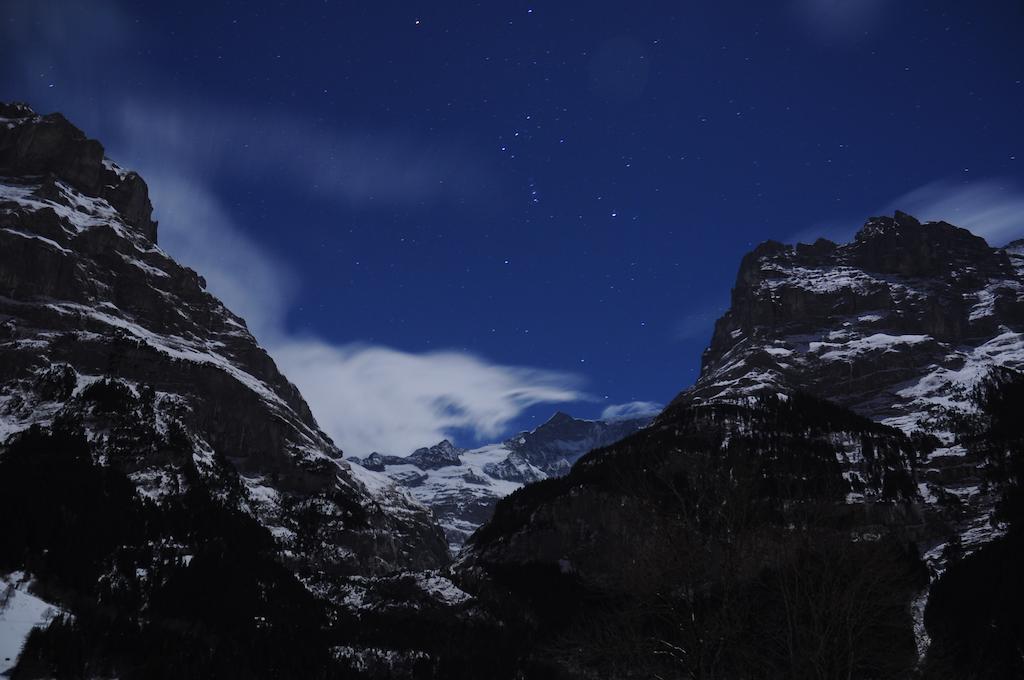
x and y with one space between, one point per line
897 325
20 613
462 486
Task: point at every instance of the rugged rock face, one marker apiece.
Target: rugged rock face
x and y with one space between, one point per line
91 309
462 486
885 324
51 147
899 325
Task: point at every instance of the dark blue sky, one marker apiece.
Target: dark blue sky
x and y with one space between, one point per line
566 186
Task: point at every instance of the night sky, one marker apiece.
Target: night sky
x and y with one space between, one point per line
558 193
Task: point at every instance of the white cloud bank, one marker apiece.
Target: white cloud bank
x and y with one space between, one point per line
380 399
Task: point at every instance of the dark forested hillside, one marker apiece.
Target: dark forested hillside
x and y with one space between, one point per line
718 543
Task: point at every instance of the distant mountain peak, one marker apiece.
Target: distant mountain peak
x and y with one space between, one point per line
463 486
560 417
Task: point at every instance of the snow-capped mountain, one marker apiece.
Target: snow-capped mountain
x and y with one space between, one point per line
462 486
885 324
91 308
899 325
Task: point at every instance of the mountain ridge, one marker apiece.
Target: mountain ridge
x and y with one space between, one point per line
463 485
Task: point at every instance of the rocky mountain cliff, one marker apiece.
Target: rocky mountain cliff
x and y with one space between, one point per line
462 486
899 325
115 354
885 324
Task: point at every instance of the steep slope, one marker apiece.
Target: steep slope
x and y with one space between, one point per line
898 325
462 486
87 295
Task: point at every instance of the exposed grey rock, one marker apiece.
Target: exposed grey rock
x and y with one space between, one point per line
898 325
883 324
442 454
51 147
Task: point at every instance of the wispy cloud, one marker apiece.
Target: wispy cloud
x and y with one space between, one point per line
992 209
377 398
698 324
351 166
80 56
198 230
366 397
633 409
